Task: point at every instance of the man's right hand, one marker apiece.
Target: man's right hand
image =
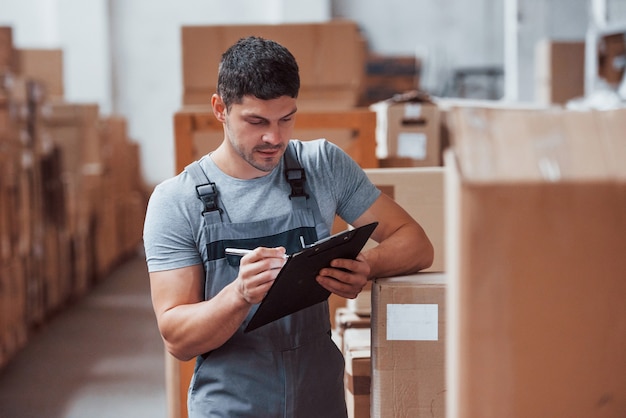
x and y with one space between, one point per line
257 271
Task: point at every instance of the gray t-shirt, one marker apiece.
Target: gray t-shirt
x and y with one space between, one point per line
173 230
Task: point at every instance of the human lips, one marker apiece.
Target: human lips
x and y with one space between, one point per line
269 152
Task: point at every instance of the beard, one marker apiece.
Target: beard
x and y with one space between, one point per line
254 156
262 164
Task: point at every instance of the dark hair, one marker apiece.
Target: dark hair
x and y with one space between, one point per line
258 67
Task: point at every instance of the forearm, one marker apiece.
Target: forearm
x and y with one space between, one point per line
193 329
406 251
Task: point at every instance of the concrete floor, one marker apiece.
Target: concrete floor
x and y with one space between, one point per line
102 357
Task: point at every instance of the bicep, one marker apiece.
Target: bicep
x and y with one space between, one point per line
172 288
389 215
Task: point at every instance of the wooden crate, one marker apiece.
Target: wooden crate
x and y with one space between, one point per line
355 127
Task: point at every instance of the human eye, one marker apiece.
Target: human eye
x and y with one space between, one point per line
256 121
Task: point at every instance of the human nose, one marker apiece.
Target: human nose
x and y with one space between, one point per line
273 135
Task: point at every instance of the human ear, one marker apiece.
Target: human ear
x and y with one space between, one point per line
219 109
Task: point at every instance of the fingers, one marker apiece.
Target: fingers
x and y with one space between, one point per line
344 277
257 272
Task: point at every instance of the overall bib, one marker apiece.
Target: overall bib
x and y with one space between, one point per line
289 368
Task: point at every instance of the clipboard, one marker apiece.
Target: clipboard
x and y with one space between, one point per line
295 287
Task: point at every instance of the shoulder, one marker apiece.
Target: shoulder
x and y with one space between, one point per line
176 193
319 152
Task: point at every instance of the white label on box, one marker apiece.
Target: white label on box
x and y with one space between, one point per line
412 145
412 110
413 322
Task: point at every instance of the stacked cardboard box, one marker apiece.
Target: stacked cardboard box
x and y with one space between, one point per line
408 131
330 57
559 71
345 319
59 209
536 221
7 50
420 192
358 372
44 66
612 57
408 346
386 76
21 284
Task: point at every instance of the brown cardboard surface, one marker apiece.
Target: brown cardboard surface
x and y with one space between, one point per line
408 367
358 372
512 145
559 71
408 130
420 191
537 320
45 66
330 57
612 48
74 127
7 49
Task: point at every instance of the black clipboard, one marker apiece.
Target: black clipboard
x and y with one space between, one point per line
295 287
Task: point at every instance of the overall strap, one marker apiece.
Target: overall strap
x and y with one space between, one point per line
207 193
295 175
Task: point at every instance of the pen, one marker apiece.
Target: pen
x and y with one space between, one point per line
241 252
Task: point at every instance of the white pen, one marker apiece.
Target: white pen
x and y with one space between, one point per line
241 252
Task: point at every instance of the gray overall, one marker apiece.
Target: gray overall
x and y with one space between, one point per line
288 368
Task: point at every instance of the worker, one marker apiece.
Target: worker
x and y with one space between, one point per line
264 191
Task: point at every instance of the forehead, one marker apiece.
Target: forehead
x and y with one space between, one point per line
268 109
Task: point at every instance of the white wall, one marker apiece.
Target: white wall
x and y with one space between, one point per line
76 26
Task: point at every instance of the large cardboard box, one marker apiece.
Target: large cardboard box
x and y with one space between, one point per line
559 71
408 346
408 131
330 56
536 219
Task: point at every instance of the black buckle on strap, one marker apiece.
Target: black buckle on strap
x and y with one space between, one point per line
208 194
296 179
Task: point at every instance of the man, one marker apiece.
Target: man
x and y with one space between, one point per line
239 196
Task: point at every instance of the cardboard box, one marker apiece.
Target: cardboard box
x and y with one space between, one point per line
7 50
536 219
420 191
612 56
386 76
358 373
45 66
74 129
559 71
330 57
346 319
408 127
408 346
